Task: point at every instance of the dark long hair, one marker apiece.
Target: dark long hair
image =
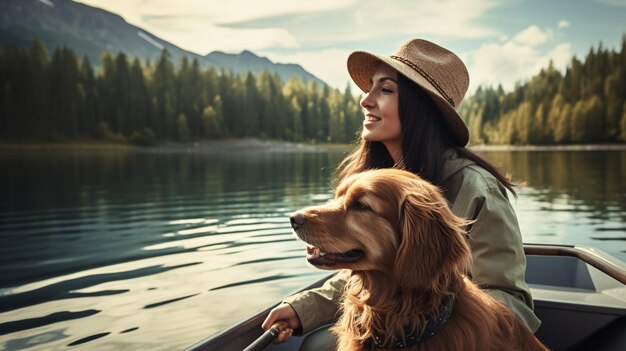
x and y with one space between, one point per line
425 138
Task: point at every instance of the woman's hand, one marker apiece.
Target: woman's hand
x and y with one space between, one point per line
286 313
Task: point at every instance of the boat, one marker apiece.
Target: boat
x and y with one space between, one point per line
579 294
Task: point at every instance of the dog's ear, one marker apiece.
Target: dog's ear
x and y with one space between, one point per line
432 249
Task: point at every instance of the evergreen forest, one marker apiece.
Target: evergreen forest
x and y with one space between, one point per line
64 98
585 104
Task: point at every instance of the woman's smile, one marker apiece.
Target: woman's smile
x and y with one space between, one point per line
370 120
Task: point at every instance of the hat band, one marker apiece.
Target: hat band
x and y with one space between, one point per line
428 77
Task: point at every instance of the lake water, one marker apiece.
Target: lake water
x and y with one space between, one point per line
141 250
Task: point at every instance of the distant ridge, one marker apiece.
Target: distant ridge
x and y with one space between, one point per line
248 61
89 31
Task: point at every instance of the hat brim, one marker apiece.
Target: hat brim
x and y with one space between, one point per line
361 66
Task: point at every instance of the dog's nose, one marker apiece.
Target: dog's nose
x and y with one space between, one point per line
297 220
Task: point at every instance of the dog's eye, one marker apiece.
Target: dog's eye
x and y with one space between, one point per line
359 206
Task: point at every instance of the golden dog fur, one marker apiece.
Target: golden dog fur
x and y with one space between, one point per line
414 256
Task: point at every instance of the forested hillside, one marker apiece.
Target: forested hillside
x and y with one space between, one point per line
62 98
587 104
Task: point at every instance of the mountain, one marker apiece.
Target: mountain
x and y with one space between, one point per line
256 64
90 31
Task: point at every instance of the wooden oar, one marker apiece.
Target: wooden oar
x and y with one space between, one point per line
268 337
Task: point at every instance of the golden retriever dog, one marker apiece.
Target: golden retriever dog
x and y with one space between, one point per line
408 257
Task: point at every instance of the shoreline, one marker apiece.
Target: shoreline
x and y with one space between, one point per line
241 145
258 145
561 147
205 146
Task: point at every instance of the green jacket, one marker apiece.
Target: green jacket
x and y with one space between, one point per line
498 257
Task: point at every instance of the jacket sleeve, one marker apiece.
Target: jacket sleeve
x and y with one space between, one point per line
498 260
319 306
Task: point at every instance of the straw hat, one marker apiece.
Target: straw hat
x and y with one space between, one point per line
437 70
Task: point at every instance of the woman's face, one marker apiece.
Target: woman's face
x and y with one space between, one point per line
380 106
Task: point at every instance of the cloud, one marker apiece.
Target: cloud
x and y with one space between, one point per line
329 65
239 11
516 59
203 26
215 12
371 23
196 36
563 24
531 36
445 18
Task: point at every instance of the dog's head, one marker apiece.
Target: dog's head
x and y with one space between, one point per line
386 220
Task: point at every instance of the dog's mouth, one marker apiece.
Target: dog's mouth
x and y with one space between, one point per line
317 257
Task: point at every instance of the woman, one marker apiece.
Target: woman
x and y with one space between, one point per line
411 122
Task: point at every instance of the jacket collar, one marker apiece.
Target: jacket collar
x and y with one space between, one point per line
453 163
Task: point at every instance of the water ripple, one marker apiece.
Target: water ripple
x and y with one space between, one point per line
30 323
157 304
129 330
64 289
88 339
268 259
255 281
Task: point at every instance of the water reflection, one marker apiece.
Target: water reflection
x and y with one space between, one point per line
575 197
590 180
75 207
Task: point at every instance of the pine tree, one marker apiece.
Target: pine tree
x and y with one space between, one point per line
190 94
524 123
313 116
211 124
250 106
123 94
614 90
563 129
623 124
139 111
64 94
88 112
15 93
38 80
587 124
163 101
553 118
296 126
352 113
106 94
182 129
229 103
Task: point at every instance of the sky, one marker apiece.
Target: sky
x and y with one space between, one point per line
500 41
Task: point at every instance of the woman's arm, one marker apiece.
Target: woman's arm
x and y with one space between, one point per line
318 306
498 260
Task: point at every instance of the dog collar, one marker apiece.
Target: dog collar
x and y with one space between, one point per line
412 337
